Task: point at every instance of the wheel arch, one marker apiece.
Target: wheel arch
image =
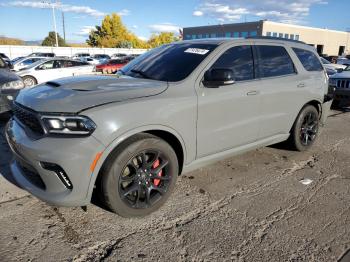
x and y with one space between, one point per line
315 103
167 134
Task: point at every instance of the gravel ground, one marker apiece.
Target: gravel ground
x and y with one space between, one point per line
248 208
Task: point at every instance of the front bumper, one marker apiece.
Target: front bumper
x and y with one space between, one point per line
342 96
73 155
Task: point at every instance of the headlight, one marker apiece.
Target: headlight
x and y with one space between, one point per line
68 125
18 84
332 82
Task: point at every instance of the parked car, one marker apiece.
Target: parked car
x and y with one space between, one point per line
53 68
25 62
341 82
330 71
112 66
10 84
343 61
90 60
16 59
329 65
79 56
42 54
5 58
119 55
174 109
101 57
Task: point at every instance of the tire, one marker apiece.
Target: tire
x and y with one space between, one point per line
29 81
126 182
305 129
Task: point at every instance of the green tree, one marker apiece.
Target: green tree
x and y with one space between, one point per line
113 33
50 40
161 39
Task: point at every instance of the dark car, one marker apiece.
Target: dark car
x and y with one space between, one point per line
5 58
41 54
10 84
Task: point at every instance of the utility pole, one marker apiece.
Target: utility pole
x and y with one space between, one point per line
64 27
54 22
52 5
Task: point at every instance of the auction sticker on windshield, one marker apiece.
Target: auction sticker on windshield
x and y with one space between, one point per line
197 51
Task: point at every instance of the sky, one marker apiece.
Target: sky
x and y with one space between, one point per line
32 19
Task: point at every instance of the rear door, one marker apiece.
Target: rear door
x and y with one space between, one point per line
48 71
280 88
228 115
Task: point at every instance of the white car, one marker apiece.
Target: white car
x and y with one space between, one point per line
53 68
331 66
25 62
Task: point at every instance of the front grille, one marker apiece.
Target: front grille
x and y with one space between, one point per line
32 175
343 83
27 118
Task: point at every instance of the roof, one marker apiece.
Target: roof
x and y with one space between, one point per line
219 41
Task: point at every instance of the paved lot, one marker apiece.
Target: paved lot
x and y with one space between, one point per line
247 208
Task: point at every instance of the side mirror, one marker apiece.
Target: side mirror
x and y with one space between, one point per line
339 70
217 77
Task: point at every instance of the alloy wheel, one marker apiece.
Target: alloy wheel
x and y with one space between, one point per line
309 128
145 179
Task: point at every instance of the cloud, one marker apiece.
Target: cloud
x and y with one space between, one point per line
164 27
124 12
198 13
64 7
288 11
85 30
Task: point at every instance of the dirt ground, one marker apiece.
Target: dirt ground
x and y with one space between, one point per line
248 208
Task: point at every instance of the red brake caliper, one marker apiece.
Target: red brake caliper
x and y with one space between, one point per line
155 165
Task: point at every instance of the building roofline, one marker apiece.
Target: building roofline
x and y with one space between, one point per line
304 27
231 24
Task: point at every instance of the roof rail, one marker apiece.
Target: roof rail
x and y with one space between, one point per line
274 38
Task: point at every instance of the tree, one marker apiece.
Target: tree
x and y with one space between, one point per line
113 33
50 40
161 39
10 41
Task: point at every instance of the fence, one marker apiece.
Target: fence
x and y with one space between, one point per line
13 51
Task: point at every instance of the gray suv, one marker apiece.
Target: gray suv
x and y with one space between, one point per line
172 110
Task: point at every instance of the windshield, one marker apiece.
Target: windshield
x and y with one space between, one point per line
171 63
325 61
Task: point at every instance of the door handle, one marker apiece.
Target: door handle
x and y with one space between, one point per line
252 93
301 85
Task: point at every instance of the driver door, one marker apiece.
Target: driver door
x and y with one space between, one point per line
48 71
228 116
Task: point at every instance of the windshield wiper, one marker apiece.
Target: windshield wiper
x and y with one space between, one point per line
141 73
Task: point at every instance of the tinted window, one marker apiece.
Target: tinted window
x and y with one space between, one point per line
240 60
52 64
274 61
173 62
308 59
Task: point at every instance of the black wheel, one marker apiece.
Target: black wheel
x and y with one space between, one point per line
305 129
139 176
29 81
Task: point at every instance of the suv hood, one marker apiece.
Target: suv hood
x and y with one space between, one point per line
74 94
344 74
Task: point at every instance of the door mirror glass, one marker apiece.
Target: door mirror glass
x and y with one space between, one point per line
217 77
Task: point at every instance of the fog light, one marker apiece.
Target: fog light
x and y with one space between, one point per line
59 172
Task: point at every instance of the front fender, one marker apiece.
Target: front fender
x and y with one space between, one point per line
118 140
